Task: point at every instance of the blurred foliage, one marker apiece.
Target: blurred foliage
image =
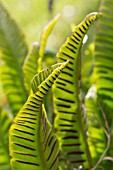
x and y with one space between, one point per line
33 15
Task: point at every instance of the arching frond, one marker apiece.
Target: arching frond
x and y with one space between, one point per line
33 145
70 119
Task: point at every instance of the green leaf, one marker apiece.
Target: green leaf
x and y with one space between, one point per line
5 122
30 65
103 70
33 145
46 32
70 119
41 76
30 68
13 49
104 56
38 57
96 137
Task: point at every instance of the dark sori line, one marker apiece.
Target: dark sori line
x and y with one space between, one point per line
71 62
81 31
50 140
33 106
63 105
50 132
50 81
75 152
24 146
102 71
90 21
71 145
44 88
65 125
22 131
47 85
56 75
27 113
71 49
67 120
78 34
26 154
68 91
30 122
54 161
69 74
72 45
70 57
103 66
66 100
67 112
33 102
67 81
25 162
106 89
52 149
25 117
87 24
76 38
107 78
58 82
62 59
107 97
25 125
53 78
42 92
70 137
32 109
71 69
20 137
38 97
78 161
84 27
68 130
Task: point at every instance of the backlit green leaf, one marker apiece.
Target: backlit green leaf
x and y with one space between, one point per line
33 144
70 119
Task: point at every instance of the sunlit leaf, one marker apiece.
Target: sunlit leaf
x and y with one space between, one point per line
46 32
70 119
33 145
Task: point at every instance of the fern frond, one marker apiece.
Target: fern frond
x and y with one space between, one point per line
33 144
70 119
5 123
103 55
13 49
